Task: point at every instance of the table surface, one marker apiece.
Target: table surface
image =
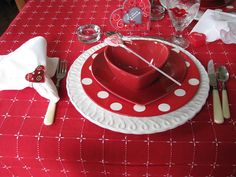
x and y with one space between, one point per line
73 146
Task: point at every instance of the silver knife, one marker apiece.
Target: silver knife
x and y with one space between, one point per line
217 110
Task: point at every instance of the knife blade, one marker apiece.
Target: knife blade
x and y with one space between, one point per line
212 74
217 110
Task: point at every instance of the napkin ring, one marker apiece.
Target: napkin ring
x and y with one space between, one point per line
37 76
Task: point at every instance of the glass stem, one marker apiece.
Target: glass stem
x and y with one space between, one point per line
178 34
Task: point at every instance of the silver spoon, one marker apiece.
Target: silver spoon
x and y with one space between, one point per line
223 76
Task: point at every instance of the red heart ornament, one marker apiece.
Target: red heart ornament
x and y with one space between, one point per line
38 75
197 39
179 12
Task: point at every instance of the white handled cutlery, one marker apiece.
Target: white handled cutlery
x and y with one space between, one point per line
217 110
60 74
223 76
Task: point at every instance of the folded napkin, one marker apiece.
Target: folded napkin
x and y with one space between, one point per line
29 66
217 25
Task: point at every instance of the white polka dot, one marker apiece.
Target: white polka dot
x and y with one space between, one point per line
103 94
94 55
87 81
187 63
164 107
229 7
193 81
90 68
116 106
180 92
139 108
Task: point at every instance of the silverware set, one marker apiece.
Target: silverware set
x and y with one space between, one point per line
60 74
221 74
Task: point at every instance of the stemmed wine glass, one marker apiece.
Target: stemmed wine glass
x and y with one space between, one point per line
182 13
157 11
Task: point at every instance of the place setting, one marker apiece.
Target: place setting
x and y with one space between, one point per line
112 87
140 84
111 99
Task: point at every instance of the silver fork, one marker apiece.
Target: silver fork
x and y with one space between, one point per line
60 74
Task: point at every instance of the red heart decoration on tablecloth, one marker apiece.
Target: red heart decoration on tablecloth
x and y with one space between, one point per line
197 39
38 75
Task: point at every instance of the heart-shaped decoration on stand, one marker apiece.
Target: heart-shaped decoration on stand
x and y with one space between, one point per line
132 16
38 75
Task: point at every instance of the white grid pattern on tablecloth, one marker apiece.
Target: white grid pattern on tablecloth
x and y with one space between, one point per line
57 135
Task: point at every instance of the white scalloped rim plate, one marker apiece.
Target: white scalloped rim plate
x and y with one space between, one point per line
126 124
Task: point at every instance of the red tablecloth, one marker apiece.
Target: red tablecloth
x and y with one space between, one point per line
75 147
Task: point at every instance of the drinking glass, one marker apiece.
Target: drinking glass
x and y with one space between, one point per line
182 13
157 11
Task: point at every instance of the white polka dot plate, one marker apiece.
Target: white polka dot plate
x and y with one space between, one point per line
175 67
97 78
142 120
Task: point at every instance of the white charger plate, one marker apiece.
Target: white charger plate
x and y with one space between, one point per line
126 124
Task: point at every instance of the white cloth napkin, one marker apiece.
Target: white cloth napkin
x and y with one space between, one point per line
15 65
217 25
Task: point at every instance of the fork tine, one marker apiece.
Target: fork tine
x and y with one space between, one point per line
64 66
59 67
61 71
